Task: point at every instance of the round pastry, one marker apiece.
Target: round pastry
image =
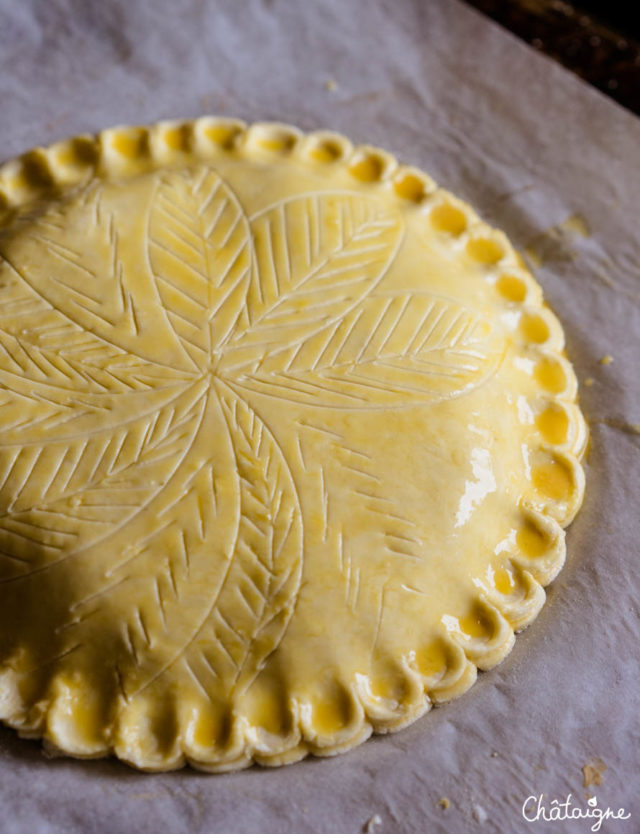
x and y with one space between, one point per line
288 441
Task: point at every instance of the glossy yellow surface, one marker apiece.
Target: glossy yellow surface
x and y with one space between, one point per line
287 443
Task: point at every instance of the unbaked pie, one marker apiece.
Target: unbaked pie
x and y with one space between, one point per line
288 441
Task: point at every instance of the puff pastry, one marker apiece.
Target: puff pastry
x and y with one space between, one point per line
288 441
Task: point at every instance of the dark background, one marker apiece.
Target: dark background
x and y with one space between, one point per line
600 41
616 13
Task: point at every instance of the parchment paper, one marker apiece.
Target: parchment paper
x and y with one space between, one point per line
544 157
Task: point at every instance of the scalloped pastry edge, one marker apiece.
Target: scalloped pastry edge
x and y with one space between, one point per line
132 150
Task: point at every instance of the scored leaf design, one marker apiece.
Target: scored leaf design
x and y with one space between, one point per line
201 258
45 345
316 257
132 376
174 571
59 496
81 275
257 599
391 350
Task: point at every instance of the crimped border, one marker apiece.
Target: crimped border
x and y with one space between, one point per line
125 151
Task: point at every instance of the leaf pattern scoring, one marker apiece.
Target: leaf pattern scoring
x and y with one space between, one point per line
391 350
136 346
258 596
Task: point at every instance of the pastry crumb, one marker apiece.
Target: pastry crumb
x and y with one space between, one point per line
444 803
607 359
494 754
479 814
372 824
592 772
589 382
331 85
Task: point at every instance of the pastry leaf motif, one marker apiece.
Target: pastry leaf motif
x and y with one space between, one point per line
200 256
394 350
316 257
259 592
118 366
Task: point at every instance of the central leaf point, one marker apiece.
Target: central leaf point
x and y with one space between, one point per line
213 363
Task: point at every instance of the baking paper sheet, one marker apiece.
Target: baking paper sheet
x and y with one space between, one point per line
542 156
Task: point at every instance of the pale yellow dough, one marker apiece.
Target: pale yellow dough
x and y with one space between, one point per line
287 444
